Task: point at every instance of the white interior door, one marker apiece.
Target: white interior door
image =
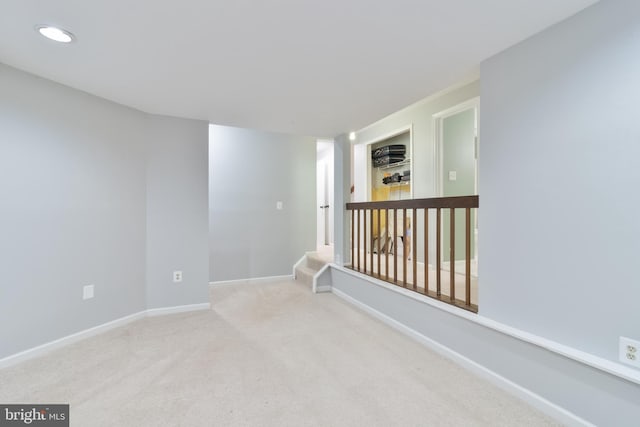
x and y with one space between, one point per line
324 194
321 202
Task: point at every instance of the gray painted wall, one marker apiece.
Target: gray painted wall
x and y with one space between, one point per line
559 178
73 185
177 206
250 171
342 196
595 396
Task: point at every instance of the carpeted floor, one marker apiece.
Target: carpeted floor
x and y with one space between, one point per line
268 354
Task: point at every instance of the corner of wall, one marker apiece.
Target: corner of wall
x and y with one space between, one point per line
177 212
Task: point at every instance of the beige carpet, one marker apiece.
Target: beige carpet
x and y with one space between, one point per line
269 354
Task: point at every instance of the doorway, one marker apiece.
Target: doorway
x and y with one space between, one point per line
324 194
457 175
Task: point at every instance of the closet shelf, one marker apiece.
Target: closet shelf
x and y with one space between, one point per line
396 165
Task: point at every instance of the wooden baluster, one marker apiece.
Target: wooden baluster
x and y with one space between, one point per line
371 242
386 245
353 242
359 237
426 251
414 240
399 237
452 256
438 250
364 240
379 239
468 258
395 246
404 248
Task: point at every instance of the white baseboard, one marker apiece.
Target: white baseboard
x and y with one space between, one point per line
253 280
177 309
528 396
69 339
87 333
322 289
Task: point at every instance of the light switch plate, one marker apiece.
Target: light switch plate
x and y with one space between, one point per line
453 175
279 205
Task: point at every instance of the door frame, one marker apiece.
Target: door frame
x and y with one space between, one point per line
379 138
325 216
438 138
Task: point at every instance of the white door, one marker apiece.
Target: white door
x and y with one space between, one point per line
324 194
322 205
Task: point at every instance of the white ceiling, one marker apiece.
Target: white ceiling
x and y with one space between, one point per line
313 67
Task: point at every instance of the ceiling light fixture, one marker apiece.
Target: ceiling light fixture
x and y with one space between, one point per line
56 34
352 136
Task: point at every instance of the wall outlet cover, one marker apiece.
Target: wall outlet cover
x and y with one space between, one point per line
453 175
177 276
629 351
87 292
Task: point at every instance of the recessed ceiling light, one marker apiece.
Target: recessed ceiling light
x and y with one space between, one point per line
56 34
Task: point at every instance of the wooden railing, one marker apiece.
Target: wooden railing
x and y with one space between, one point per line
376 236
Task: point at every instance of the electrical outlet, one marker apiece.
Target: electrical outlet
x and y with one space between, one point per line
87 292
177 276
630 351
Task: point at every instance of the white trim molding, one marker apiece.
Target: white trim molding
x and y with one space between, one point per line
96 330
177 309
297 264
252 280
322 288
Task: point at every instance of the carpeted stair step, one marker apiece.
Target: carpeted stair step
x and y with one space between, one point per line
305 275
314 261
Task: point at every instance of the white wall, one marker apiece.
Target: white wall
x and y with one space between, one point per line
559 181
74 209
250 171
72 191
341 196
177 206
361 163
